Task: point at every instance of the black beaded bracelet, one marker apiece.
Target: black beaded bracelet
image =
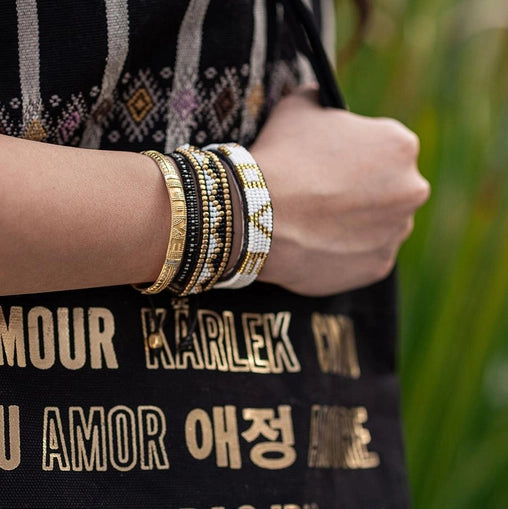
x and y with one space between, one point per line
196 163
194 221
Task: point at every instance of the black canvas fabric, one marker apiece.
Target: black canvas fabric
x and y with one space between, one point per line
284 402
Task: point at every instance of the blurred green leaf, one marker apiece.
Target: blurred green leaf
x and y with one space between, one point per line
441 67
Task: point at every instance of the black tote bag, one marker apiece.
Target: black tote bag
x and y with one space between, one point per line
283 401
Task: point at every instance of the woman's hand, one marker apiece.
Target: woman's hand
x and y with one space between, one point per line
344 190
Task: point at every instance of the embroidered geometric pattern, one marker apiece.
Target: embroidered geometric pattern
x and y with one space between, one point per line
141 106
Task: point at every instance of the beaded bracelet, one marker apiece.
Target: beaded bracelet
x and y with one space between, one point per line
201 233
224 230
194 222
240 227
197 162
217 219
258 214
178 229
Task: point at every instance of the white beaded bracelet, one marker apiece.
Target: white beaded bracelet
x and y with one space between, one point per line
258 215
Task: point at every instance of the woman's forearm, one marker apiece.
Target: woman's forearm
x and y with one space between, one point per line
77 218
344 190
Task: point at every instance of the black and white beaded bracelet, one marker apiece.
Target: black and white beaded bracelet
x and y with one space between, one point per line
216 215
258 214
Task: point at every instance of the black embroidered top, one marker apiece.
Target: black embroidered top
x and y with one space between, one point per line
284 402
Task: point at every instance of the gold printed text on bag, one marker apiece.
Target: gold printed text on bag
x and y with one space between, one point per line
93 439
268 436
71 337
334 336
264 346
10 447
339 439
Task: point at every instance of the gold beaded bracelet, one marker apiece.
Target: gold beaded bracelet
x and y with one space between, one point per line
178 230
228 220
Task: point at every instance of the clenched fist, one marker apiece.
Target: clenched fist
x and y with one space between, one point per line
344 190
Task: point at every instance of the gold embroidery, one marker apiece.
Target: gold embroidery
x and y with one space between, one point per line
213 338
164 356
255 343
268 345
35 131
183 357
140 104
236 362
281 354
272 436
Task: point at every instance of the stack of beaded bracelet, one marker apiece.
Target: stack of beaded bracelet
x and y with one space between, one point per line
200 238
217 219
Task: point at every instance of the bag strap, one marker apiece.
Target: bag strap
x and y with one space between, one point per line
308 41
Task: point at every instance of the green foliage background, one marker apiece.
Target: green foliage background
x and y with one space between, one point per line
441 67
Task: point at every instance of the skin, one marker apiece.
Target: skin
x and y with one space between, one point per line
344 190
344 199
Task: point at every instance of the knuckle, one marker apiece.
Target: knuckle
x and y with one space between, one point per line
412 141
421 191
414 192
406 140
384 265
409 143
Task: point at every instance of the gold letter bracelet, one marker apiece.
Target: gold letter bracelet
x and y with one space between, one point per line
178 230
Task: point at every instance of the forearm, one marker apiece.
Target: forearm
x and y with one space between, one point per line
344 197
77 218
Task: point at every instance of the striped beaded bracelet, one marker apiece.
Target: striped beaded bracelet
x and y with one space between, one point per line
258 214
216 212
